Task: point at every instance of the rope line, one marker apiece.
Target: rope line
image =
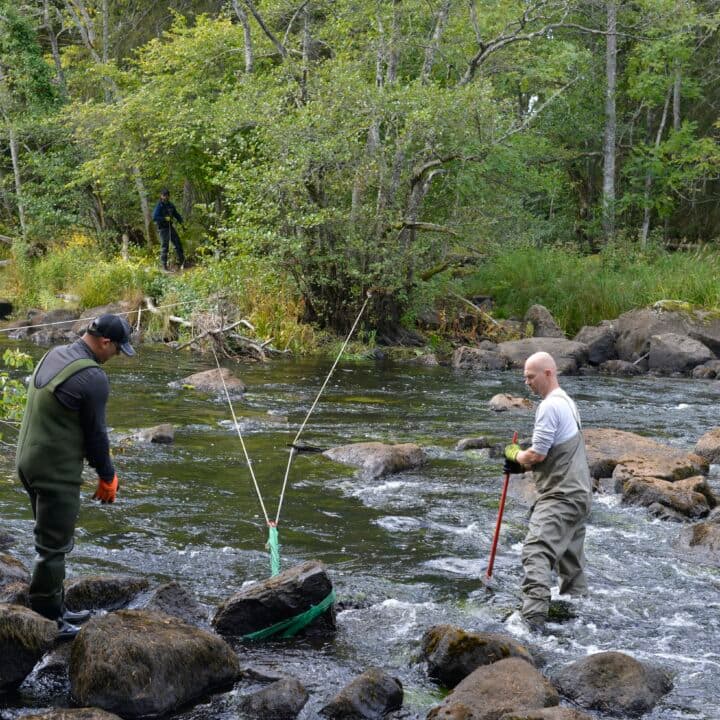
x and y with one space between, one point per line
317 398
242 442
90 319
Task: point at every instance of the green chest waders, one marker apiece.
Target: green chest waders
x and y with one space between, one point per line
49 462
556 533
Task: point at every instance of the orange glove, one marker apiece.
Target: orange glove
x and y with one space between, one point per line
106 491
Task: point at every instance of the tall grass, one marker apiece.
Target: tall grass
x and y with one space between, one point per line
585 289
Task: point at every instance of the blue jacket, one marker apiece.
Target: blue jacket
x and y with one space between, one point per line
164 209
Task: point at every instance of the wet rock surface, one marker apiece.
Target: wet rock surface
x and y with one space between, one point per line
614 683
377 459
276 599
283 700
452 654
25 637
370 696
137 663
103 592
211 381
506 686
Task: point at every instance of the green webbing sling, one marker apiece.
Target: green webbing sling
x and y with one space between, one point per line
293 625
274 548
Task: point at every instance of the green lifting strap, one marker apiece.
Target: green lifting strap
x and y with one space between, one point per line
293 625
274 548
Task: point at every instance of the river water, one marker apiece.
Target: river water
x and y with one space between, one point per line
404 552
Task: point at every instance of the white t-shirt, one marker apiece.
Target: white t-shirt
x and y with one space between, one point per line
556 420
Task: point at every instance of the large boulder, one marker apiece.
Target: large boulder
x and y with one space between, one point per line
506 686
691 498
607 447
568 355
25 637
103 592
211 381
136 663
708 446
12 571
376 459
600 341
452 654
636 327
707 371
613 683
277 599
673 353
44 329
282 700
122 307
543 323
370 696
478 359
703 540
503 402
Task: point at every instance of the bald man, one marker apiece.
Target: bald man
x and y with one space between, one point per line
556 534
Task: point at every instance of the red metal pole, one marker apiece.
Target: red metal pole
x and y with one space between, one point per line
493 550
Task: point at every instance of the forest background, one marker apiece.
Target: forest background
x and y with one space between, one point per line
561 152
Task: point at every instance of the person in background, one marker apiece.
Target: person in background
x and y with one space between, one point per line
556 533
63 423
163 215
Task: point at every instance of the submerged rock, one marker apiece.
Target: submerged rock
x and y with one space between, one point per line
503 401
73 714
369 696
613 683
211 381
163 434
376 459
508 686
476 443
278 598
452 653
283 700
690 497
25 637
103 592
621 368
137 663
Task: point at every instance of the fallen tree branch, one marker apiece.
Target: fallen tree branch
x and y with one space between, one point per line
217 331
173 318
483 314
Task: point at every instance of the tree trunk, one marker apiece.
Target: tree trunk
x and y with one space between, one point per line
54 49
249 51
645 230
676 100
144 205
434 43
393 56
609 149
14 154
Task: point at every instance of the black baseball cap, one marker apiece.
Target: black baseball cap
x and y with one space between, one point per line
115 328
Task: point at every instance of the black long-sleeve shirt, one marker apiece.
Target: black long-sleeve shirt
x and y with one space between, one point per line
163 209
87 393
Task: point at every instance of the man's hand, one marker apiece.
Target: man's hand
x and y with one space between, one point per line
106 491
168 218
513 468
512 451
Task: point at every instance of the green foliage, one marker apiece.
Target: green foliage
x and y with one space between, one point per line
585 289
12 391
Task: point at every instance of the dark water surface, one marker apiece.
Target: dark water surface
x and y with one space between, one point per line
407 550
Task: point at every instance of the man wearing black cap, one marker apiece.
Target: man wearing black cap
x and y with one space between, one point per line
163 215
64 422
